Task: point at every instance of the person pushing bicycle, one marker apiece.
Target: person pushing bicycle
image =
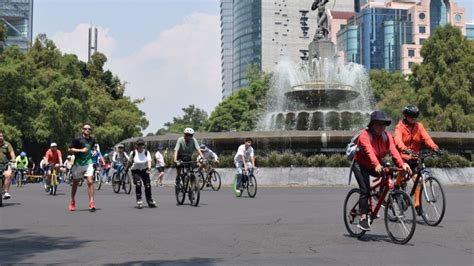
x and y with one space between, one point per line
409 135
374 143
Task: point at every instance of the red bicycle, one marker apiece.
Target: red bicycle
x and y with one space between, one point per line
399 214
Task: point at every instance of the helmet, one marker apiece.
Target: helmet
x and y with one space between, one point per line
54 144
22 154
411 111
189 131
106 155
69 156
202 147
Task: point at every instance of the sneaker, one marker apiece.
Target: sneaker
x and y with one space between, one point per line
139 204
364 225
92 206
72 205
6 196
152 204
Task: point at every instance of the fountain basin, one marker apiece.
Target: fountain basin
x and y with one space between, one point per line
319 94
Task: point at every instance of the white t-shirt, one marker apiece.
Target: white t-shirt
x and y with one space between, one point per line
140 159
246 152
160 161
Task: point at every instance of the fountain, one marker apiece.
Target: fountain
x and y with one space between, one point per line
319 93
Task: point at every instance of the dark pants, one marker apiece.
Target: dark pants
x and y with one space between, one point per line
140 176
362 176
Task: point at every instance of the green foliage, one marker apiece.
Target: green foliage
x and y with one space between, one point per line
3 35
445 81
448 161
241 110
47 96
193 117
391 91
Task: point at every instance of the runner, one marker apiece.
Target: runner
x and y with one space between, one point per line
83 148
160 165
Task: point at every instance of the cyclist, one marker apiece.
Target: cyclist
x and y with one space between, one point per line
244 160
6 150
83 148
374 143
141 167
184 150
209 157
409 135
120 158
31 167
52 158
21 163
106 168
160 164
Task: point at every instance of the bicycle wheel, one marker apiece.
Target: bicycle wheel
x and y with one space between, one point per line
403 223
201 181
54 189
18 179
97 180
215 180
432 201
352 214
194 191
116 182
252 186
180 191
2 184
127 183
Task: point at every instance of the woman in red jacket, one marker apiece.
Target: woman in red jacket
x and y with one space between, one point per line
374 143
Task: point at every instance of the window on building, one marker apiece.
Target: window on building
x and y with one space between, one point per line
422 41
421 15
411 52
422 29
458 18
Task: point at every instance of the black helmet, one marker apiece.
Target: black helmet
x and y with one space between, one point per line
411 111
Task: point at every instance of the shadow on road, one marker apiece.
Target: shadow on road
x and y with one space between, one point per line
17 246
191 261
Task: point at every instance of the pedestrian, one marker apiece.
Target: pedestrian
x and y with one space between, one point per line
160 165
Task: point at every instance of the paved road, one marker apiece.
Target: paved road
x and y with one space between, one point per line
281 226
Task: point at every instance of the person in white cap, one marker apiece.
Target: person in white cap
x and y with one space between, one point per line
52 158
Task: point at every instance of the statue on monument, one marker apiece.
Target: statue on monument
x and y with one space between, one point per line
322 30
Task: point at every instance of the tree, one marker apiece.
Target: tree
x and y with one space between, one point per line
444 82
241 111
392 92
193 117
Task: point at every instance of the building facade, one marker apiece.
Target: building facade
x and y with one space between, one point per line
17 15
263 32
470 31
389 35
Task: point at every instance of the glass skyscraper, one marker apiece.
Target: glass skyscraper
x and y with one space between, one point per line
17 16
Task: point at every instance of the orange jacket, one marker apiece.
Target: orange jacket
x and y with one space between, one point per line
407 139
373 149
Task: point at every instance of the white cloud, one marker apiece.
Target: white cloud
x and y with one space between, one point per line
76 41
180 67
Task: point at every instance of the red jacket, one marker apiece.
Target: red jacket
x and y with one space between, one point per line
371 152
406 138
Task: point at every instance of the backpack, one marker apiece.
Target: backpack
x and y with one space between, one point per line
352 148
132 155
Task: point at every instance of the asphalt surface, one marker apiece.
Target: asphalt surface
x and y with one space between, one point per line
281 226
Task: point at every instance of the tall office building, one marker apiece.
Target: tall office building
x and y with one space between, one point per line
389 35
262 32
17 15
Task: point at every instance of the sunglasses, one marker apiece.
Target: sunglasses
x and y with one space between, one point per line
87 129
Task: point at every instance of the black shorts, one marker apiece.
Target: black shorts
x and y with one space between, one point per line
160 169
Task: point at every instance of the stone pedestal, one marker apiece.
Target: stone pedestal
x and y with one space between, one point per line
321 49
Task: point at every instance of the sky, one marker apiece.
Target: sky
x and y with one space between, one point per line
167 51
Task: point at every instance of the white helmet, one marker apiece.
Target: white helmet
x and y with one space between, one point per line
189 131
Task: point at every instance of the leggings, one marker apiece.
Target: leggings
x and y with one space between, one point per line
140 176
362 176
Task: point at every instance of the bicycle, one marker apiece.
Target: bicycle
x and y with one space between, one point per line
431 192
97 177
248 182
212 177
54 181
187 183
121 179
399 211
20 177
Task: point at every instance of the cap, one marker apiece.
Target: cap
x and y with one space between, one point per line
54 144
380 116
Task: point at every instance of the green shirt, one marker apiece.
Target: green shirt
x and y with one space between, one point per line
83 158
5 151
186 149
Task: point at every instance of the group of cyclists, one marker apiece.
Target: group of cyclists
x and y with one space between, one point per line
374 143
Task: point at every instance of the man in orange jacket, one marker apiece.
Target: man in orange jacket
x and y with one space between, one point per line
409 134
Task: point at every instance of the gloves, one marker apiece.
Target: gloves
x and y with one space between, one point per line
438 152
